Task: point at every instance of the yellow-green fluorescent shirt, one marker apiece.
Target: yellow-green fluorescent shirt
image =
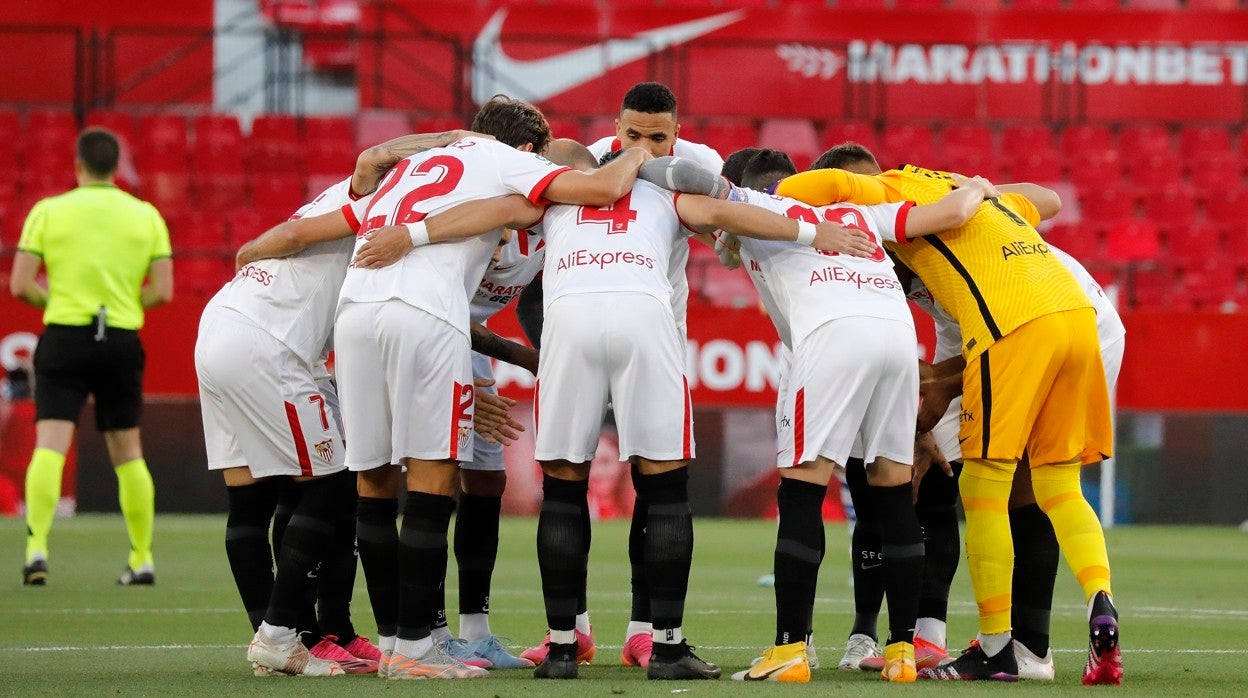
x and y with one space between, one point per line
97 243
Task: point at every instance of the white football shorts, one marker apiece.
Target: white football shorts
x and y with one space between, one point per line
854 391
405 380
622 347
262 407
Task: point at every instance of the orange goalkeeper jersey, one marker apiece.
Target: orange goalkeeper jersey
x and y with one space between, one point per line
992 274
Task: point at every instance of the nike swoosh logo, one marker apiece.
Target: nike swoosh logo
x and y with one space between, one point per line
865 566
509 266
774 671
493 72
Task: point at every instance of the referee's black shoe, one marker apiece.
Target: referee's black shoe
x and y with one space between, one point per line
144 576
35 574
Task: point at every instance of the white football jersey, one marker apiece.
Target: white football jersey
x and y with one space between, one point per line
1109 327
819 287
294 297
440 279
622 248
520 261
773 298
705 156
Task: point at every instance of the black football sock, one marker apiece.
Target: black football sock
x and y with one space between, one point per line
637 554
563 549
866 561
288 496
668 548
938 516
587 525
303 551
476 550
247 544
797 557
422 561
378 540
336 582
1036 556
903 558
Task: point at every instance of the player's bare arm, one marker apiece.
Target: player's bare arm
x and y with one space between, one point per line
601 187
22 283
372 164
954 209
492 345
289 237
388 244
1048 203
934 398
706 214
159 287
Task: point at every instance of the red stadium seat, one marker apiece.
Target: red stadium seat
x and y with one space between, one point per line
278 192
860 132
603 126
1076 139
907 144
329 157
958 139
167 190
203 274
164 136
275 145
1149 288
1202 141
244 224
318 183
1227 207
1216 5
1141 139
120 123
219 192
40 183
329 128
1215 172
1193 245
728 288
52 126
975 5
198 232
1163 5
438 124
1156 172
565 128
1035 166
1095 168
377 126
1235 244
1026 138
1132 241
974 162
727 136
217 131
10 125
918 4
861 4
1083 242
1171 208
1107 204
1037 4
797 137
1208 286
1095 5
215 161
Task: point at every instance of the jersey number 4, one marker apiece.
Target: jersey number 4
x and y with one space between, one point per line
617 216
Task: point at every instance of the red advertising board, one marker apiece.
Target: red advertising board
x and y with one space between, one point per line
807 60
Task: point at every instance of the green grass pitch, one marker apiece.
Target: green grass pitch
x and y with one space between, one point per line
1181 592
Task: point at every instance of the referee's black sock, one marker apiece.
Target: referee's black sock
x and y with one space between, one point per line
563 548
668 548
247 544
797 557
867 558
903 558
1036 554
637 553
378 540
476 549
942 545
423 551
336 581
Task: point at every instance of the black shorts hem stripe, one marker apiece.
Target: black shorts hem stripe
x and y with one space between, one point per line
985 380
957 265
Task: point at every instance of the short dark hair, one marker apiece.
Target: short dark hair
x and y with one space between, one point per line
513 122
734 165
650 98
838 156
766 168
99 151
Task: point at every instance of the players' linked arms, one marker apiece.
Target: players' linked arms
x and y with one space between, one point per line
388 244
1047 202
954 209
289 237
486 342
823 187
684 175
372 164
602 187
746 220
934 398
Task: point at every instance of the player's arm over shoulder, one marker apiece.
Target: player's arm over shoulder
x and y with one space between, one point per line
289 237
1031 201
951 211
829 186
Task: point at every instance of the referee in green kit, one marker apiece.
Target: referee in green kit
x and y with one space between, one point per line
98 244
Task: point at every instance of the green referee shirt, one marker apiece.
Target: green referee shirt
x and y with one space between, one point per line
97 243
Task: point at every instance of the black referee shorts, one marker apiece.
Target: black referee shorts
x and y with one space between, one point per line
70 364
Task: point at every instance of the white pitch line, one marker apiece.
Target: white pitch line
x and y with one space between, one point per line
148 648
